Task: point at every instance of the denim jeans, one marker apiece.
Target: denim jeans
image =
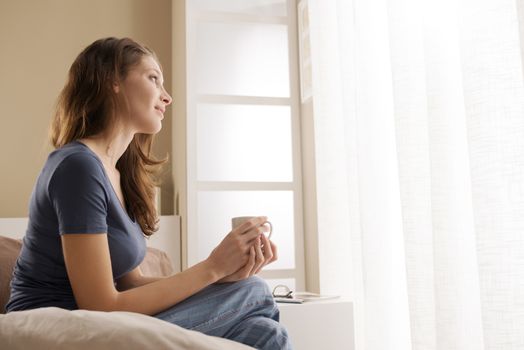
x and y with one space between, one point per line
243 311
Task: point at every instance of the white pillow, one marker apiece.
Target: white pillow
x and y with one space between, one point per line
61 329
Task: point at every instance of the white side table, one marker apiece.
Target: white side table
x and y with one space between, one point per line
313 325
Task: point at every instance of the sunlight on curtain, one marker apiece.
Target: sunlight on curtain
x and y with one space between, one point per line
419 132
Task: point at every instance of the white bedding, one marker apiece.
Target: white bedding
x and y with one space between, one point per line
60 329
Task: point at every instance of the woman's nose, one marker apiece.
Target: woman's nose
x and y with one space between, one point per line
166 98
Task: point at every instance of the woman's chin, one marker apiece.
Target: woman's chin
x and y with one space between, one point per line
153 129
157 130
149 125
157 124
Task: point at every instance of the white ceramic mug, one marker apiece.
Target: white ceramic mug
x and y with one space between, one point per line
241 219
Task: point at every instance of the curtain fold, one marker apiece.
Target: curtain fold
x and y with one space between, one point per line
419 141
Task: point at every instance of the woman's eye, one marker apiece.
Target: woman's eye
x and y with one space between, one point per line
154 77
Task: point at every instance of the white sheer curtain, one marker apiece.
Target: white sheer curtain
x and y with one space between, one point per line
419 144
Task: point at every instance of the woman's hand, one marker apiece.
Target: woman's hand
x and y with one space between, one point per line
258 258
234 251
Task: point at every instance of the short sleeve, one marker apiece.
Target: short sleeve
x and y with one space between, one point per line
78 195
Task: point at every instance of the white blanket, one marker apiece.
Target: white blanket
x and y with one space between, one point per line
60 329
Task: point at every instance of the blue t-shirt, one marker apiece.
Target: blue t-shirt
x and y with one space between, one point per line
72 195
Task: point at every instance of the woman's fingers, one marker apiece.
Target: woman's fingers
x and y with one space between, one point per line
250 224
268 251
254 233
273 251
259 257
246 270
264 254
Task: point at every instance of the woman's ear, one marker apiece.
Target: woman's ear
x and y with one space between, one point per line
116 87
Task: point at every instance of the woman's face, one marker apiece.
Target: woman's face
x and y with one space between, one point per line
143 88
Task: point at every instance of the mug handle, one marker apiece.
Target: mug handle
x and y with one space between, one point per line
270 228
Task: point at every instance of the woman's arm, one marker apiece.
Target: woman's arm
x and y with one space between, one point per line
134 278
88 264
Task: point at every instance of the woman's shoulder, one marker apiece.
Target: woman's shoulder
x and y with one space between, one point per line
74 159
74 170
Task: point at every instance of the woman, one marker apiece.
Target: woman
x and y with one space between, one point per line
92 207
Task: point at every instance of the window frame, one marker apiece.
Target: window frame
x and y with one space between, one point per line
193 17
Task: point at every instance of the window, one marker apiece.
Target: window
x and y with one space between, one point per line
243 140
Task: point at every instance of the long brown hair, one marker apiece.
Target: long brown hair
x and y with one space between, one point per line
86 106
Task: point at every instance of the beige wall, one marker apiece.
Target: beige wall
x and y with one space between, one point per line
38 41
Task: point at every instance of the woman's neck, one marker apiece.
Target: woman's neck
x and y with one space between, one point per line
109 148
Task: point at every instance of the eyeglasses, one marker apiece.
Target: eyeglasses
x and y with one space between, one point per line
282 291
